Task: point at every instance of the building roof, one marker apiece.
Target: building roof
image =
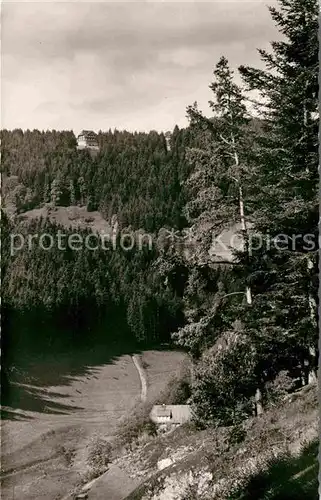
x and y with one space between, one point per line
178 414
88 133
162 411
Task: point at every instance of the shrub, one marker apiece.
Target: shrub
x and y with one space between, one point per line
99 457
237 434
134 425
278 388
177 392
178 389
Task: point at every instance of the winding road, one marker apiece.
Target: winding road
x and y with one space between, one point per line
142 375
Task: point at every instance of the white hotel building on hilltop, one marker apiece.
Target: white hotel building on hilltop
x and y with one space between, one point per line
87 139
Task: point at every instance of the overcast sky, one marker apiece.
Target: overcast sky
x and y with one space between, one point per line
133 65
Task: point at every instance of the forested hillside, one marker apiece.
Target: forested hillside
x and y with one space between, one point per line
134 180
251 326
134 176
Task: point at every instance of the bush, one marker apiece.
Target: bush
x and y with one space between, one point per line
237 434
276 390
135 425
177 392
99 457
178 389
224 385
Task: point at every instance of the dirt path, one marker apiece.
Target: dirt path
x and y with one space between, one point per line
142 375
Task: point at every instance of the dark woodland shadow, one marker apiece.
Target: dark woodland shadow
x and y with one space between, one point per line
30 398
8 414
24 387
27 375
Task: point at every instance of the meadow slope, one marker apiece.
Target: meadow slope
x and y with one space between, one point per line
45 450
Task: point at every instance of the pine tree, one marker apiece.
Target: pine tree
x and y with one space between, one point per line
82 189
72 194
46 190
222 162
286 201
218 187
55 192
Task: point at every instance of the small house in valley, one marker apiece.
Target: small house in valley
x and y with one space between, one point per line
87 139
170 415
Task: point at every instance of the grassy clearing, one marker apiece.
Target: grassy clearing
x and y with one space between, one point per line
73 217
92 406
98 458
93 401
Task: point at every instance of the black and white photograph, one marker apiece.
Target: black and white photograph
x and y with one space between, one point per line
160 248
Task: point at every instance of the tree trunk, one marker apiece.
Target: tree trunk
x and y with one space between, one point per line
242 216
305 121
309 362
244 230
258 402
312 375
309 367
306 371
192 372
312 361
258 394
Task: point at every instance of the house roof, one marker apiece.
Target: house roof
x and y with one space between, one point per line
162 411
88 133
178 413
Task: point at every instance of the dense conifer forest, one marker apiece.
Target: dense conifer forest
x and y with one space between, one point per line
133 179
134 175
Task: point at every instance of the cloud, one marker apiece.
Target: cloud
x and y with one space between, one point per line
101 65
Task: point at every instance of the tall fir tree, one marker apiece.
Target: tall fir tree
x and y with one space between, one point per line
285 194
223 165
